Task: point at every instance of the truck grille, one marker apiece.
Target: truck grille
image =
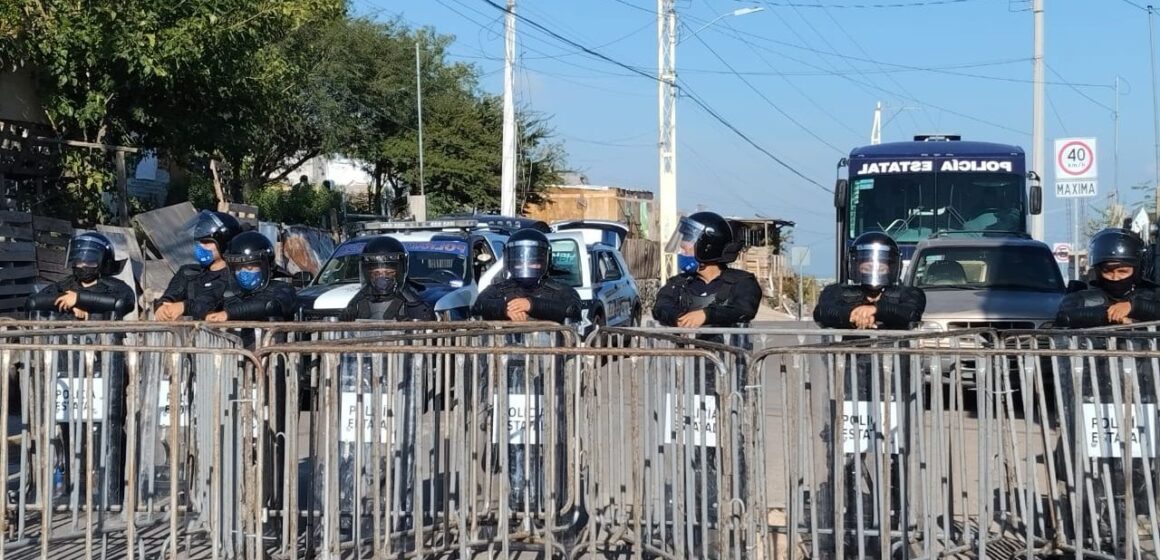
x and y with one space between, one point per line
997 325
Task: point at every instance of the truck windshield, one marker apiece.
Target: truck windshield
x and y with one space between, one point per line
911 207
1001 267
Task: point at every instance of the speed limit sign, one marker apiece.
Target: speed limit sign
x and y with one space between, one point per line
1075 158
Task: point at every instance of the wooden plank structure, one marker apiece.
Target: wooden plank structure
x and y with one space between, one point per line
17 260
52 239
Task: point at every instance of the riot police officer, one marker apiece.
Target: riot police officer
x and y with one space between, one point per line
386 294
706 293
1118 295
92 292
874 299
199 289
250 257
528 293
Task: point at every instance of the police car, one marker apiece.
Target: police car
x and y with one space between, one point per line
446 261
600 276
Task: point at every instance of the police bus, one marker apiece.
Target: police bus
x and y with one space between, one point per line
933 185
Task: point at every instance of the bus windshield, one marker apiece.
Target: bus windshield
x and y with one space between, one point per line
911 207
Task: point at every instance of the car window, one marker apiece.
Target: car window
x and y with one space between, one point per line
609 269
437 262
565 266
1028 268
343 266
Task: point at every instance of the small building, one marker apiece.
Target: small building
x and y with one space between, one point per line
761 251
577 200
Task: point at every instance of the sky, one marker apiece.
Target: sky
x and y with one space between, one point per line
801 78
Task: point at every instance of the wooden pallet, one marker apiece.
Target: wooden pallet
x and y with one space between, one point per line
17 261
52 239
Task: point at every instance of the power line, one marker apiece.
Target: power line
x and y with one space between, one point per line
1134 5
684 89
724 122
766 98
1081 94
876 5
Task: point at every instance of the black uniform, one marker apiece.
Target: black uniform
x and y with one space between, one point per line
728 301
551 301
1089 308
274 302
203 290
108 299
899 308
405 305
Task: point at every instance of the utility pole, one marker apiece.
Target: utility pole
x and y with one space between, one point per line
1037 142
1155 111
419 204
876 128
667 127
508 177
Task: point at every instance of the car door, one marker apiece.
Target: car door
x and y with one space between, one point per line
613 294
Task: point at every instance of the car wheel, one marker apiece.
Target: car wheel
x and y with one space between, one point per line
636 316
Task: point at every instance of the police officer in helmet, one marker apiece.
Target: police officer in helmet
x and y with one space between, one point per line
1118 295
385 294
199 289
250 257
92 292
528 293
874 299
706 292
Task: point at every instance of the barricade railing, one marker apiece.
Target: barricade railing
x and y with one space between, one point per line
424 439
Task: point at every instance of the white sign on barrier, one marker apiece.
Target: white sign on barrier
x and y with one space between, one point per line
525 419
861 429
1101 431
72 409
349 418
163 404
702 420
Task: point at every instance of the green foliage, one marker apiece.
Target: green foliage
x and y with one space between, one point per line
301 204
262 86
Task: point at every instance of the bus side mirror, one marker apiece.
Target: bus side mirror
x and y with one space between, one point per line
1035 197
840 191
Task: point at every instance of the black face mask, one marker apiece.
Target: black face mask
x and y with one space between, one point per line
86 274
1119 288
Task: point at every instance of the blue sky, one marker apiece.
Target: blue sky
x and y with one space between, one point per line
811 72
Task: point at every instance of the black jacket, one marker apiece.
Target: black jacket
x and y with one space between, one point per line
406 305
551 301
201 289
899 308
729 301
1089 308
275 302
108 299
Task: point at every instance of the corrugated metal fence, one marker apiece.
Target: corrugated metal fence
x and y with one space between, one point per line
141 440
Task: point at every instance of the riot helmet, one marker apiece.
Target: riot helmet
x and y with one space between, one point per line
250 257
702 238
527 254
1116 248
875 261
209 227
91 256
384 266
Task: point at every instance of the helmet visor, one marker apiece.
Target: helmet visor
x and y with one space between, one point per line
875 265
203 225
85 252
527 260
684 239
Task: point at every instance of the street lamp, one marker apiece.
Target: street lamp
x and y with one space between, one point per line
737 12
667 119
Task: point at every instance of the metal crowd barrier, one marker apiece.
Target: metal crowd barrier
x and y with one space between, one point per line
146 440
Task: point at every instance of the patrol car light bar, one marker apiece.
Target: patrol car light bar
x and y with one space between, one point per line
366 227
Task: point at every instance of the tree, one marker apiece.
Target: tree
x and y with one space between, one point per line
175 76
